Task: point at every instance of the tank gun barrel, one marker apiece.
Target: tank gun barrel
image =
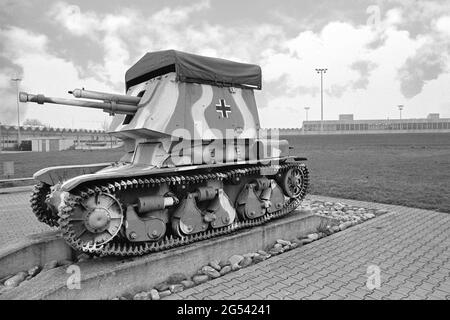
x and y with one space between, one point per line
108 106
118 98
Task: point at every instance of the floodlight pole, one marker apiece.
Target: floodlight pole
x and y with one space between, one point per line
321 71
18 110
400 108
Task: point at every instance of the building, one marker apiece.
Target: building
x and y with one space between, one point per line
347 125
35 138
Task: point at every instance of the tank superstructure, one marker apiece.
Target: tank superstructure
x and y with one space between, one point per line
195 163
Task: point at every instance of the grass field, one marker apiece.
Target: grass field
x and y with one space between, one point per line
27 163
405 169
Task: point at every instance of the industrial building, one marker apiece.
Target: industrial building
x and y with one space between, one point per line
37 138
347 125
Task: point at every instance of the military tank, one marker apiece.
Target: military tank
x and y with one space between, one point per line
196 164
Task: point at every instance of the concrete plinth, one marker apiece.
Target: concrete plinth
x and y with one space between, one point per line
33 250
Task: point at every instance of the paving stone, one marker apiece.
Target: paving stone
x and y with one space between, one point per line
34 271
259 258
141 296
162 286
283 242
250 255
165 293
187 283
225 270
154 294
15 280
245 262
210 271
234 260
224 262
198 279
175 288
235 267
215 264
176 278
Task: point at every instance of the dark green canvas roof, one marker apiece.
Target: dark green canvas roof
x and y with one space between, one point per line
194 68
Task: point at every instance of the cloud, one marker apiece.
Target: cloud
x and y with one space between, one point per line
71 18
443 25
125 35
106 29
364 68
13 50
178 15
425 65
43 72
432 58
8 94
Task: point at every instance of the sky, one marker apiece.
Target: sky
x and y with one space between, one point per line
379 54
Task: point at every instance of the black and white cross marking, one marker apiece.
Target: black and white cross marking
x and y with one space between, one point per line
223 108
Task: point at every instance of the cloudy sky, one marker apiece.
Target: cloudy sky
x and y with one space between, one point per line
378 53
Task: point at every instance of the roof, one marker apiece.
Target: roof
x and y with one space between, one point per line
194 68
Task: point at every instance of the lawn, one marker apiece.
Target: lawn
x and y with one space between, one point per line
27 163
405 169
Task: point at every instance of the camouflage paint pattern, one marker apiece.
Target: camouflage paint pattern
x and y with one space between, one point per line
177 109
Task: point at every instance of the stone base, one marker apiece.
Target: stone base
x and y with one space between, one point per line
33 250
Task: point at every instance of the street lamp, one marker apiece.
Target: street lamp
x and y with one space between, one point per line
400 108
306 109
321 71
17 79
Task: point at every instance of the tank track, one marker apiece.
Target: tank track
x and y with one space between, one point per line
39 207
126 249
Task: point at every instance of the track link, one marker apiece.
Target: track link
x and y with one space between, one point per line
121 248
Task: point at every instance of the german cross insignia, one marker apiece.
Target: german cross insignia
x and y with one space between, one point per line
223 108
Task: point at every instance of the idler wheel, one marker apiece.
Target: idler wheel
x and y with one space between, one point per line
292 182
97 219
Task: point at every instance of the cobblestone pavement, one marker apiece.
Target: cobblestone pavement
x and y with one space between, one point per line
16 218
410 246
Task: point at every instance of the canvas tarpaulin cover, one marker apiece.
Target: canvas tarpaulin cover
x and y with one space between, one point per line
194 68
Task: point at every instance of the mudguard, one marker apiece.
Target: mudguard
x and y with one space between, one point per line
54 175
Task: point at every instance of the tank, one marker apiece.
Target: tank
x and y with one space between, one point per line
196 163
